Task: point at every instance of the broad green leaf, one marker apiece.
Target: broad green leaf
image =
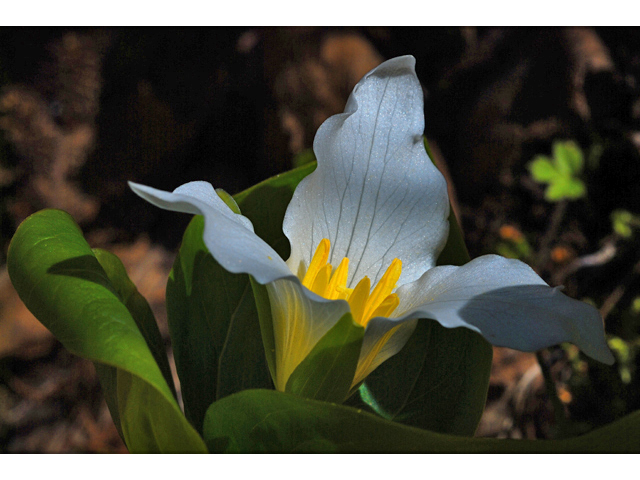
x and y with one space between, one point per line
270 421
439 380
263 307
213 317
303 158
455 250
139 310
266 203
61 281
213 326
327 372
542 170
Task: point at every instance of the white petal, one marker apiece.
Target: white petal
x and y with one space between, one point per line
375 194
507 303
381 342
228 236
300 320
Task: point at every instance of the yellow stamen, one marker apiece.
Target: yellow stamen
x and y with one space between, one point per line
365 304
358 300
321 283
317 262
387 306
384 287
339 279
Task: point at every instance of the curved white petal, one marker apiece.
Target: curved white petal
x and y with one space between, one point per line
375 194
383 338
228 236
300 320
507 303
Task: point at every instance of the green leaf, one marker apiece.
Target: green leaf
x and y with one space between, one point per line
303 158
623 222
327 372
575 189
568 158
62 283
266 203
139 310
214 327
270 421
263 306
217 330
439 380
455 250
229 200
565 188
542 170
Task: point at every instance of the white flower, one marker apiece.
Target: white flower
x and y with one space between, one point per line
377 200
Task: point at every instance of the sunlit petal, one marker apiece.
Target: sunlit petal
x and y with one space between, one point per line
375 194
300 320
228 236
507 303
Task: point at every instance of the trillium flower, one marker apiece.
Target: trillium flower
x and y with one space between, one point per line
366 228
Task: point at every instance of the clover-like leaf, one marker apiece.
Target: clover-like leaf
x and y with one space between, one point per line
560 172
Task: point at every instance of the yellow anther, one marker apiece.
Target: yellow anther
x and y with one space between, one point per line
387 306
384 287
365 304
337 289
358 300
318 261
321 283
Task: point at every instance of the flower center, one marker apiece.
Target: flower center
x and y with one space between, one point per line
365 303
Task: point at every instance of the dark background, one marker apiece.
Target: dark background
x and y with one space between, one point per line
85 110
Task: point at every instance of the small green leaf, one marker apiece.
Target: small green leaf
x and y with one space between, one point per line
327 372
542 170
62 283
560 172
575 189
624 222
565 188
256 421
568 158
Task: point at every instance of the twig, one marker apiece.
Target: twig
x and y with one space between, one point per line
551 233
614 297
601 257
559 413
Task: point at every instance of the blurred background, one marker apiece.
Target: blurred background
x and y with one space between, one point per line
84 110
